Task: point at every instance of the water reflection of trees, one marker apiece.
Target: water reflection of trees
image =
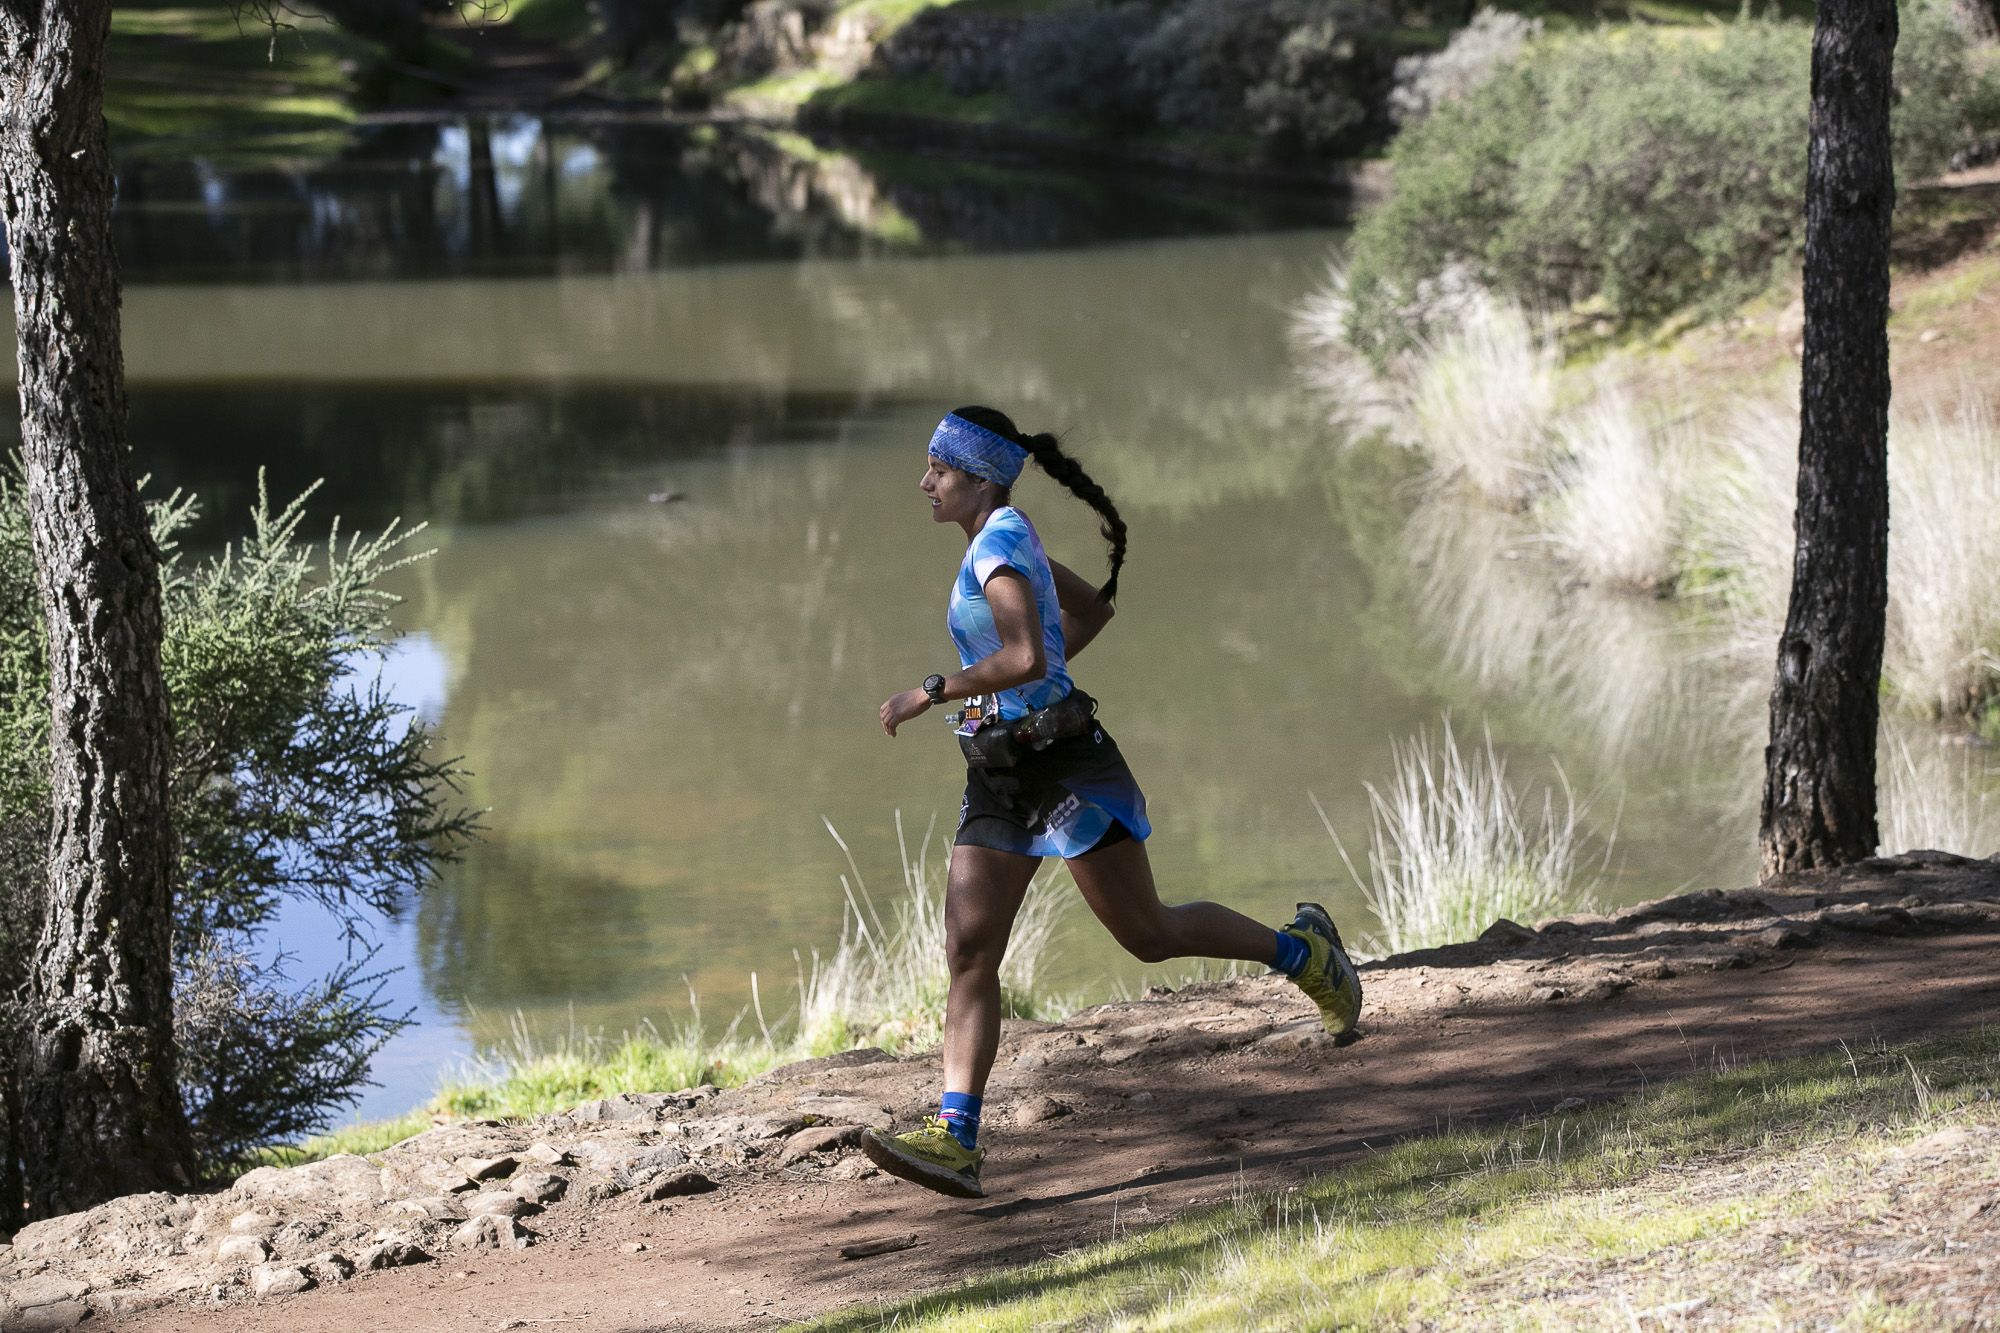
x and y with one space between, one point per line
459 455
517 194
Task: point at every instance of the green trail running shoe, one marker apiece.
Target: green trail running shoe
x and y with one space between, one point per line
930 1157
1329 978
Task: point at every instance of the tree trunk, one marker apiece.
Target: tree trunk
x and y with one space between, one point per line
100 1110
1819 774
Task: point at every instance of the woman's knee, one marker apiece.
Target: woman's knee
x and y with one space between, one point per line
972 952
1149 942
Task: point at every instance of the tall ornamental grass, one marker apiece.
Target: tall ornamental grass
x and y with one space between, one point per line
1453 846
1613 512
1482 396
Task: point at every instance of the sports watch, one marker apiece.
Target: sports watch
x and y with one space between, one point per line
934 688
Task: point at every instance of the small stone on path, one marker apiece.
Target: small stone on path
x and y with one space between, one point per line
819 1138
676 1186
391 1254
1040 1110
491 1233
278 1280
243 1250
634 1247
500 1203
486 1168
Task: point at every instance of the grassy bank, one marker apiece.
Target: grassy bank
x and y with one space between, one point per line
1695 1196
1663 467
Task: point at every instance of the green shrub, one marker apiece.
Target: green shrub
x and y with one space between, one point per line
1078 61
292 779
1647 171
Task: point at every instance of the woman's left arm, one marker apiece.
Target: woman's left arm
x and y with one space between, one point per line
1019 659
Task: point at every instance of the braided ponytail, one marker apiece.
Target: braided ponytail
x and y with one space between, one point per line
1048 455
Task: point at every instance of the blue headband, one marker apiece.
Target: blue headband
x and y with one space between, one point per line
970 447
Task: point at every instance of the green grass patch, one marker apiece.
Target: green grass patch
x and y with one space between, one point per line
1401 1237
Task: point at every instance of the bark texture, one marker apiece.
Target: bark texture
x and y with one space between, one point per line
1819 769
99 1110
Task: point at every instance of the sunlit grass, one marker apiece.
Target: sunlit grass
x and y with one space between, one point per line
1406 1235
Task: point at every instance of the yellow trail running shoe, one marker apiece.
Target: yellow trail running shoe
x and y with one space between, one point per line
1329 979
930 1157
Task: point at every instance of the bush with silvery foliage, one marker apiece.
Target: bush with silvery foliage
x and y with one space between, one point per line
1482 48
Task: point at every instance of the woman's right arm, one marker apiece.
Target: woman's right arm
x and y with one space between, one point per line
1084 613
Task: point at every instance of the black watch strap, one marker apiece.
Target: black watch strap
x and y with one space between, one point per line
934 688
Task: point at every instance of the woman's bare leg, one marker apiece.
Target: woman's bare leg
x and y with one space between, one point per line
982 896
1117 882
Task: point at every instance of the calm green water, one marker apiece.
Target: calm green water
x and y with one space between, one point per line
664 703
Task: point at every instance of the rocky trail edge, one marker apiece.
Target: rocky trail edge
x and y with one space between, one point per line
702 1209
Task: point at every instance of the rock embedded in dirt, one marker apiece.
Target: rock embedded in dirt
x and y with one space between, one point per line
1040 1110
843 1108
487 1168
500 1203
330 1266
416 1179
243 1250
1301 1038
539 1186
271 1280
434 1208
677 1186
1870 920
254 1222
860 1055
44 1289
543 1155
390 1254
819 1138
1503 931
123 1303
1786 935
54 1315
635 1167
492 1233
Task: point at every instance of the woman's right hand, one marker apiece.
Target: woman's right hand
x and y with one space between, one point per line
900 708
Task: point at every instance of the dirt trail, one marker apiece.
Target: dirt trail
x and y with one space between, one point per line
1186 1099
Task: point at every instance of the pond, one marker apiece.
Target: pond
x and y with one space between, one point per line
662 397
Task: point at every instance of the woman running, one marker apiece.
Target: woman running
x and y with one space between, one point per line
1043 778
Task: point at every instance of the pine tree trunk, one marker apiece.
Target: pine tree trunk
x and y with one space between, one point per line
100 1110
1819 776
